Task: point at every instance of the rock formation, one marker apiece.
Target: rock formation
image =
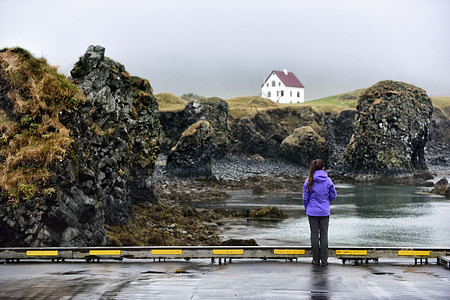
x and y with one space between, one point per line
438 146
304 145
441 188
124 113
191 156
109 140
390 131
264 133
213 110
267 212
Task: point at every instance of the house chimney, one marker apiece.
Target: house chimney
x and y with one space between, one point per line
285 72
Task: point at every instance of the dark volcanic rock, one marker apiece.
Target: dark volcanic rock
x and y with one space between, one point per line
191 156
213 110
239 242
339 132
266 212
304 145
442 188
263 133
390 131
125 116
438 146
107 165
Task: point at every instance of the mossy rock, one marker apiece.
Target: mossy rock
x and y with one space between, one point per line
267 212
304 145
390 131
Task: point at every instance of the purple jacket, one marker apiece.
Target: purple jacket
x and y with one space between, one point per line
317 199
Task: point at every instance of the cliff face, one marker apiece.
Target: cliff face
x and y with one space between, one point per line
96 156
438 146
212 110
390 131
264 133
124 114
272 133
191 156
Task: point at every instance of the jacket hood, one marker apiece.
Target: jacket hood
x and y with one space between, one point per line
320 176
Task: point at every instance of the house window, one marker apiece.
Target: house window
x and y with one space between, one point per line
273 82
290 94
269 94
298 94
278 93
267 85
282 93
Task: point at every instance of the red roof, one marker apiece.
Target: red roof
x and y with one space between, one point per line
288 80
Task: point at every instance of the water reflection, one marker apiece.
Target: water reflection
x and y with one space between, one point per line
362 215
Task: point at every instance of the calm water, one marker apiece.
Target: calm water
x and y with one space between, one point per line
362 215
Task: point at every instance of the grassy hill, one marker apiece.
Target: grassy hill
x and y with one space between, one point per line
170 102
443 103
336 103
250 105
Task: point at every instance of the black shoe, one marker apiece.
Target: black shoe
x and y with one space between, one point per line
316 262
324 263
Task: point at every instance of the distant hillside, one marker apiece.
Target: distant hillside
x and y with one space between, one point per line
170 102
249 105
443 103
336 103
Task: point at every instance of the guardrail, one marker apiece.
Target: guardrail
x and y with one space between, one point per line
356 254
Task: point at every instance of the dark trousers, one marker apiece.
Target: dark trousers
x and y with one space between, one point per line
319 237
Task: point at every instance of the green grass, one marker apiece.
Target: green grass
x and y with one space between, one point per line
170 102
335 103
249 105
241 107
443 103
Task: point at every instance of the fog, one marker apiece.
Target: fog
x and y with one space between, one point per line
228 48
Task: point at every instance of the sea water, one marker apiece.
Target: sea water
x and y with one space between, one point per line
362 215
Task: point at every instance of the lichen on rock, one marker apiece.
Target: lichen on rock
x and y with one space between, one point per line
390 131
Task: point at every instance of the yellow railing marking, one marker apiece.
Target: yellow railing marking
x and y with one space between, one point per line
42 253
105 252
413 252
228 251
289 251
351 252
167 252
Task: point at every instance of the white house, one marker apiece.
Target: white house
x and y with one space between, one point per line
283 87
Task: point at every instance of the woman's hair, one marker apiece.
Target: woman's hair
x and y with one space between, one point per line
316 164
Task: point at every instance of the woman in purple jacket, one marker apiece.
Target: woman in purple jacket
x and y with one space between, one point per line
318 191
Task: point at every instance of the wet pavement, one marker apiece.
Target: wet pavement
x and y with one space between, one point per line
242 279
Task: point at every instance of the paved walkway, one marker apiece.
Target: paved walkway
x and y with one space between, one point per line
241 279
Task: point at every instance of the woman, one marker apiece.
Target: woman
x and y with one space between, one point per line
318 191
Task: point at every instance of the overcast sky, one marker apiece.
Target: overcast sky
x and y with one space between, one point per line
228 48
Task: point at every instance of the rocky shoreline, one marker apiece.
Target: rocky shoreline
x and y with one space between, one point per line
173 222
88 159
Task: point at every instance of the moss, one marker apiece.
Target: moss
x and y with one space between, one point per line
170 102
33 138
167 225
